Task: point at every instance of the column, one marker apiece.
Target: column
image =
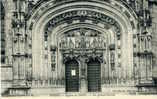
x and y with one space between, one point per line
83 76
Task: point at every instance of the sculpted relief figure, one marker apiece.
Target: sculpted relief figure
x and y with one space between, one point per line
82 39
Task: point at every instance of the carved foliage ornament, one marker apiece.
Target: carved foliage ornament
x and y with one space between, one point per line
87 57
82 14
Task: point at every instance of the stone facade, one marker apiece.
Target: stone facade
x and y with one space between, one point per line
59 47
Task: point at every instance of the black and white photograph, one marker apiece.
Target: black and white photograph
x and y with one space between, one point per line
78 48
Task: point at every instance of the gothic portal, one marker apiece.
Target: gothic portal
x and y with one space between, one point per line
64 46
82 47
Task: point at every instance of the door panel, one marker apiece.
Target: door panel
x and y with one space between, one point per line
94 76
72 76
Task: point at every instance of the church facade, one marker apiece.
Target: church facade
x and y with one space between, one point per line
81 47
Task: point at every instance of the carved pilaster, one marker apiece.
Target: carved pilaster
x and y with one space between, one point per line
145 57
19 41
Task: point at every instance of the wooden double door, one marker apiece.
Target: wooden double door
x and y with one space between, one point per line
72 76
93 76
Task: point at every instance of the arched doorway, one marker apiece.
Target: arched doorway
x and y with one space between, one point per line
94 76
72 76
60 27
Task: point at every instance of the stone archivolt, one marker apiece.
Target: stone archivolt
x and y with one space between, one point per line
62 29
86 15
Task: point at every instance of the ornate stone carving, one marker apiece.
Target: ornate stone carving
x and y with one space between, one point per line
91 15
53 57
82 39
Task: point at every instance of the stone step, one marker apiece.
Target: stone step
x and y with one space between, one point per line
106 91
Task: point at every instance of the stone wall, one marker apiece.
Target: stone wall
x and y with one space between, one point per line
6 68
154 40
